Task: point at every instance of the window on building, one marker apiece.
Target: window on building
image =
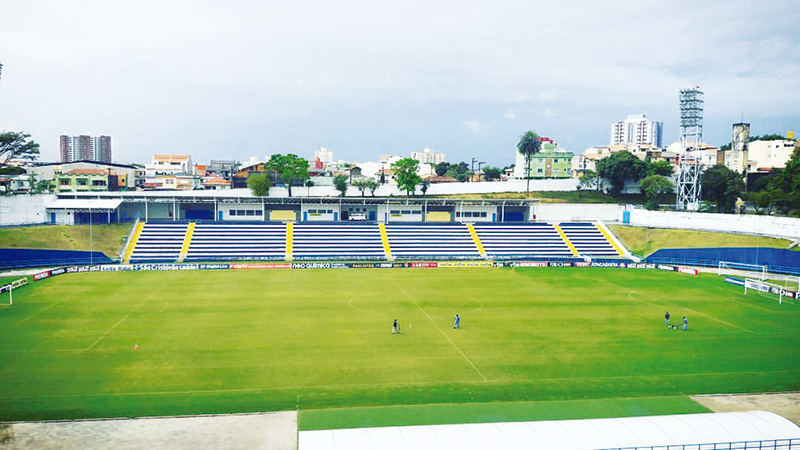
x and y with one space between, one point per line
395 212
82 181
251 212
259 212
232 212
98 182
538 170
64 182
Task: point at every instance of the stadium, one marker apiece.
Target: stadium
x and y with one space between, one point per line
242 307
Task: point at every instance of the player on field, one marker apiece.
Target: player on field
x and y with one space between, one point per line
666 318
457 322
395 327
685 323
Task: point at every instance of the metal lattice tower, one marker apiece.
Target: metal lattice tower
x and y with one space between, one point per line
691 104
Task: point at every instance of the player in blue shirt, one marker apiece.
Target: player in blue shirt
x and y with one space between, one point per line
457 322
685 323
666 318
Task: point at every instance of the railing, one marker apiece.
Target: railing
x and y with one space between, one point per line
771 444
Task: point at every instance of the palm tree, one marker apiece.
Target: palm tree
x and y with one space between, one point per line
529 145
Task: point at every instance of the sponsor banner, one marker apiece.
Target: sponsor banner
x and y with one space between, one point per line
41 275
215 266
583 264
665 267
377 265
687 270
423 265
641 266
752 284
559 264
529 264
58 271
163 267
13 285
320 265
734 281
260 266
466 264
608 264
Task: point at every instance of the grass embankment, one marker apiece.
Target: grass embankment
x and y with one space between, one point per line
245 341
644 241
108 239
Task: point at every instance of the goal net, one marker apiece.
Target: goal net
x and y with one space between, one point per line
765 287
729 266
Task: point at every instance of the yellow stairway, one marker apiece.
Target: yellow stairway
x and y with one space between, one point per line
187 241
476 239
132 244
289 239
387 250
566 240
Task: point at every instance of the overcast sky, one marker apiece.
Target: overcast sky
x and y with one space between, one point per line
234 79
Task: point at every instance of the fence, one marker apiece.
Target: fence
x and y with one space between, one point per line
770 444
776 260
22 258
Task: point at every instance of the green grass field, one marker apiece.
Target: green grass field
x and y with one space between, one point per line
319 341
108 239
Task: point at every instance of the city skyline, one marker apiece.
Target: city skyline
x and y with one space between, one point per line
363 79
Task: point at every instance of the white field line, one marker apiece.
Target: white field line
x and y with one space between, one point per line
397 384
443 333
115 325
41 310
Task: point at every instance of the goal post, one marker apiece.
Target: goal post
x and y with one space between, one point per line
10 289
732 265
765 287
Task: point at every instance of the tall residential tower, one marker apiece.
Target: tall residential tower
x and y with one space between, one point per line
85 148
636 129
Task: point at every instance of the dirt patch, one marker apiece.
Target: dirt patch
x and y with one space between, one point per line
235 431
785 404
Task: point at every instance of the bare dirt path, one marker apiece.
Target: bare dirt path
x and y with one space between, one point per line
786 404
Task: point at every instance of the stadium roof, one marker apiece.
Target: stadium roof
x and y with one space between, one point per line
593 434
86 204
245 196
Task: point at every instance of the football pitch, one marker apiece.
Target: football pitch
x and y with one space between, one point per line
129 344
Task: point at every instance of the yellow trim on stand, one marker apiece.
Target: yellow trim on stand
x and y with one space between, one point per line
476 239
289 240
610 240
132 244
187 241
566 240
387 250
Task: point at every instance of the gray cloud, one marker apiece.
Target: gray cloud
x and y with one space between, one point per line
366 77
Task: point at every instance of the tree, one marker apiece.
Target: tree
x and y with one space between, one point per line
491 173
309 184
722 186
259 184
458 171
17 146
424 186
787 185
290 168
618 167
529 145
340 183
654 186
405 172
441 168
371 184
361 185
587 182
663 168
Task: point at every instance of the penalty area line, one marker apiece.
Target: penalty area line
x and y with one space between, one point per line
443 333
115 325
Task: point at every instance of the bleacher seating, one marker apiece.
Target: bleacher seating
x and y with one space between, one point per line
409 241
159 242
237 241
588 239
521 240
340 241
23 257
